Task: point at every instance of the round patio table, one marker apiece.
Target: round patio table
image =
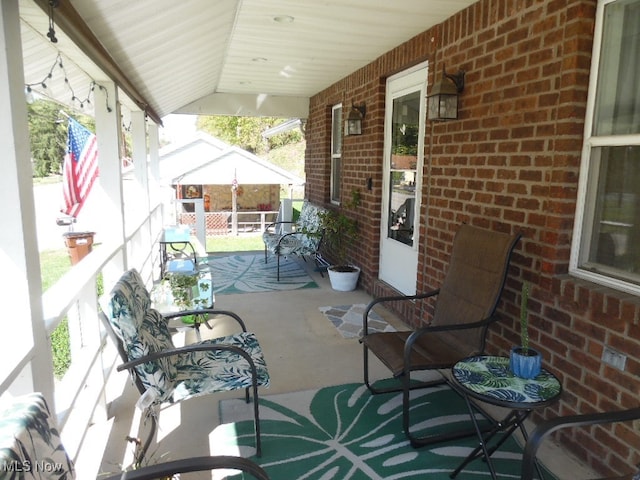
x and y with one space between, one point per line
488 379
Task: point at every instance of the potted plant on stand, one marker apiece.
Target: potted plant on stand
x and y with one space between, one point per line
524 361
339 232
188 292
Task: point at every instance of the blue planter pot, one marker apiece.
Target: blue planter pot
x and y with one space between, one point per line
525 366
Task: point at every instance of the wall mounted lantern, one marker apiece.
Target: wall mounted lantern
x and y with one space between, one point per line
354 120
443 97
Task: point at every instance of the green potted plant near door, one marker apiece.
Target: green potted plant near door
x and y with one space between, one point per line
339 232
524 361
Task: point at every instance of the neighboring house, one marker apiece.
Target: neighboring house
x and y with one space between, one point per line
189 153
227 178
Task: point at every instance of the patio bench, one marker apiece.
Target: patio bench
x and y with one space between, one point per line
303 237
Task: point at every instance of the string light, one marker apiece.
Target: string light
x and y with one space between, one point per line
81 102
106 94
52 32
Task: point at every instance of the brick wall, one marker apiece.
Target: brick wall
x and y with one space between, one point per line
510 163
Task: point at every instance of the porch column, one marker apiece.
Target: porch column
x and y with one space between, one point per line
107 114
140 167
154 151
26 351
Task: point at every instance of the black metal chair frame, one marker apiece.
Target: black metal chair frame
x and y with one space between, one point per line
537 436
317 258
406 383
194 464
130 365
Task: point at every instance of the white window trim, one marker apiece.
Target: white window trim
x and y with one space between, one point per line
335 155
591 141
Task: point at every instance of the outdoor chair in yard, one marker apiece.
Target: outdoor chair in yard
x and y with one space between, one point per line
31 448
163 373
546 428
464 308
303 237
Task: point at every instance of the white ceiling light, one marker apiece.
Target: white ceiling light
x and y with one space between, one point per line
283 19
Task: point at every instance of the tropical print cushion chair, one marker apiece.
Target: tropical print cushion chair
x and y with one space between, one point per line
304 237
30 448
164 373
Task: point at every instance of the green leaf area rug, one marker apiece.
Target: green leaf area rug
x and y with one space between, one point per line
344 432
250 274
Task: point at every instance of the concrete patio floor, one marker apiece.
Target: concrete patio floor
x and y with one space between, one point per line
303 351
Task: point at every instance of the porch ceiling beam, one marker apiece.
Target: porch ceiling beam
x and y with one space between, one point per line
258 105
72 24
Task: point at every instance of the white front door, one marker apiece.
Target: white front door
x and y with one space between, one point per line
405 115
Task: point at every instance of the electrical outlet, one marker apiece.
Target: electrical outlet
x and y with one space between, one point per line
614 358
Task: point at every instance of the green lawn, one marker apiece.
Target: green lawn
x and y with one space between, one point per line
53 265
240 243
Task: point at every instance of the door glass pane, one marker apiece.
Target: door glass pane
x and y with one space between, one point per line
614 244
403 169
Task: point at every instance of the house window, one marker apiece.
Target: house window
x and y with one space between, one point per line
606 246
336 151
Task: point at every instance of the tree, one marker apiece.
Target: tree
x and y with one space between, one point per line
48 135
246 132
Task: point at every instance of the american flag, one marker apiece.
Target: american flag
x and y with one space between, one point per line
80 167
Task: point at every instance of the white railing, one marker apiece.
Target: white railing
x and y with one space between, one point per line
80 395
221 223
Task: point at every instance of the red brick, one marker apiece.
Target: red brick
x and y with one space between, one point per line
510 163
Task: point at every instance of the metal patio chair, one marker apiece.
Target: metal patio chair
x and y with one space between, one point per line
302 238
546 428
31 448
465 306
163 373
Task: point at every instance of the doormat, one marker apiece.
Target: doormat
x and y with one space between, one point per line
250 274
345 432
348 320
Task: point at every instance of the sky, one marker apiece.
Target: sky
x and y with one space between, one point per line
177 126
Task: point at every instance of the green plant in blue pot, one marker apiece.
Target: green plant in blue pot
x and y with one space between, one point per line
524 361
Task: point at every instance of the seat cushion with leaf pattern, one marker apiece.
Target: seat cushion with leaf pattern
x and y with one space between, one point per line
303 240
143 331
215 371
177 377
30 445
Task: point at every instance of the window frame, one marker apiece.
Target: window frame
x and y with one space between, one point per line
589 169
336 154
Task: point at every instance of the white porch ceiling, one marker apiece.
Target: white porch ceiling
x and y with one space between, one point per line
231 56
